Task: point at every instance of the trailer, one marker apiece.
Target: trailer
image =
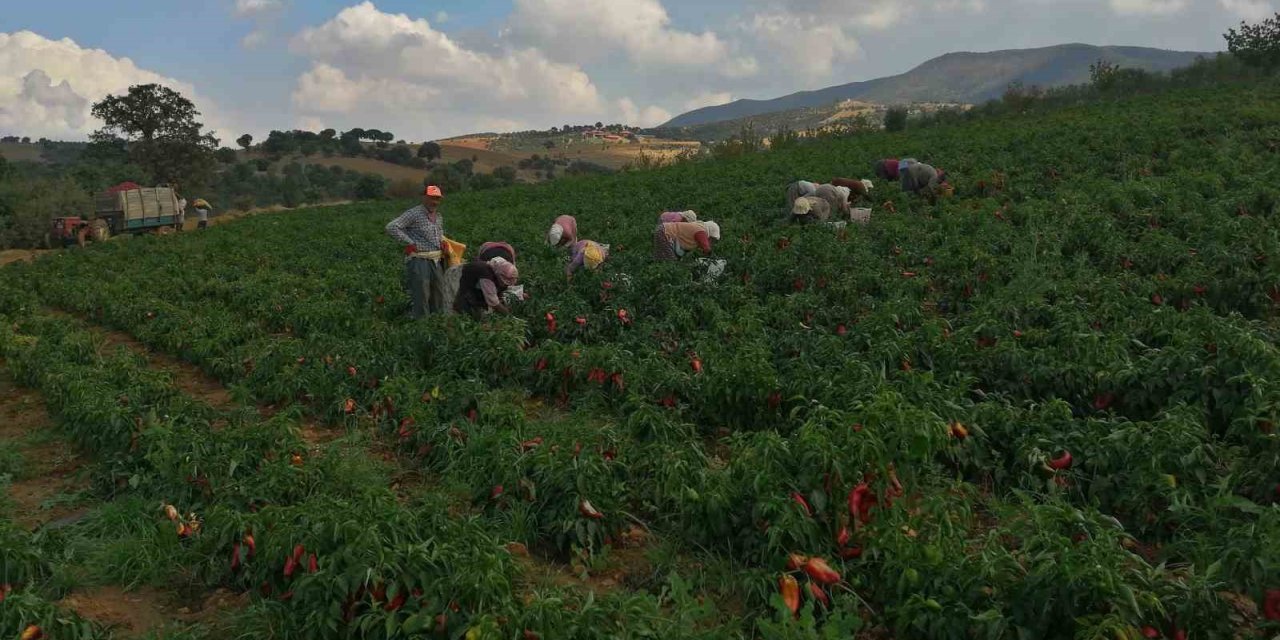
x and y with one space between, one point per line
137 210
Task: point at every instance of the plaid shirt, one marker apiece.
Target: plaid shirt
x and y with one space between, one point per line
416 227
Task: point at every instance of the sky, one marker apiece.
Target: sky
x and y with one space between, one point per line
427 69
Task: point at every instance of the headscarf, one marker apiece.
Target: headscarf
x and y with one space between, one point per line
806 187
592 255
506 272
554 234
712 229
801 207
689 216
843 193
867 183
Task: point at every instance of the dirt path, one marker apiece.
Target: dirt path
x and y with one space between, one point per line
46 470
20 255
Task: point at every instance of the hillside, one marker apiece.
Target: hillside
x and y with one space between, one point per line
956 77
1043 408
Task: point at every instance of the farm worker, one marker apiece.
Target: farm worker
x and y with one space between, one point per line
836 197
586 253
891 168
799 189
857 188
482 284
182 213
563 232
678 216
491 250
421 231
810 208
921 178
673 239
202 213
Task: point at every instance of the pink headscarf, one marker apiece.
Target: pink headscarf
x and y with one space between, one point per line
506 272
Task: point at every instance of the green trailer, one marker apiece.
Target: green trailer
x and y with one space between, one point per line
138 210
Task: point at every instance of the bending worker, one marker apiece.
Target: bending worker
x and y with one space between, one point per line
482 285
799 189
421 231
674 239
563 232
678 216
491 250
588 253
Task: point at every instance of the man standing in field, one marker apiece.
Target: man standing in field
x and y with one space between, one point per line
421 231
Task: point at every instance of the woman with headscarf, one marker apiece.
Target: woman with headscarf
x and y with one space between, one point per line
674 239
586 253
857 188
810 209
799 189
481 285
891 168
491 250
837 198
678 216
563 232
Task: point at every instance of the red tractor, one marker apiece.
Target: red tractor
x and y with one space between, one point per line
74 230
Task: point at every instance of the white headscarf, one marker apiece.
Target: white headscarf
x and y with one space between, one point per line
554 234
867 183
843 193
802 207
689 216
712 229
807 188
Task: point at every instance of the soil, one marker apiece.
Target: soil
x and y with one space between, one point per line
50 468
20 255
133 614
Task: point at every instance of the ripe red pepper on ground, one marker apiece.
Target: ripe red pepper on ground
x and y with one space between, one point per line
790 590
819 595
1271 605
822 573
1061 462
313 563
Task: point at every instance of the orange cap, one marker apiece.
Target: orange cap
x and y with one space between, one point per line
434 191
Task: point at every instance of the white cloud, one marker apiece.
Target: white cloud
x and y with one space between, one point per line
708 99
246 8
254 39
373 67
442 17
811 50
1148 7
1249 10
645 117
48 86
639 29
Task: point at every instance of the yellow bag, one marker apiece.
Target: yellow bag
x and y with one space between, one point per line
455 251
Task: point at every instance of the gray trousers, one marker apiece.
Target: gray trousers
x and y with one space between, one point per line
424 280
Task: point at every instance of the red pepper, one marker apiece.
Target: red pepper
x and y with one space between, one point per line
841 330
313 564
1149 631
1061 462
530 444
1271 605
249 542
623 317
298 552
822 573
290 565
349 406
581 320
1157 299
286 596
696 362
850 553
819 595
351 371
540 365
804 504
790 590
1102 401
235 557
496 492
529 635
471 415
842 538
588 511
551 322
795 561
860 502
616 378
395 603
32 632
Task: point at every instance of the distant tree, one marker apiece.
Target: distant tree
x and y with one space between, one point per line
26 139
164 136
599 125
328 134
358 134
279 143
1257 45
505 174
430 151
262 164
371 187
245 141
350 145
895 119
1103 73
226 155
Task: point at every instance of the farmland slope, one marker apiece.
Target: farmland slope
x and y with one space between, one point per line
1045 408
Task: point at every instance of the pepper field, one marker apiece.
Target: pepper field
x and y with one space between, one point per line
1044 408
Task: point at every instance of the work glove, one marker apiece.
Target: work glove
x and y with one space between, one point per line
410 249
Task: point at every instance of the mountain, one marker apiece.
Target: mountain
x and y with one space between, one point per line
956 77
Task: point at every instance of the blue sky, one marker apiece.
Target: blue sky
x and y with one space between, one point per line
435 68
